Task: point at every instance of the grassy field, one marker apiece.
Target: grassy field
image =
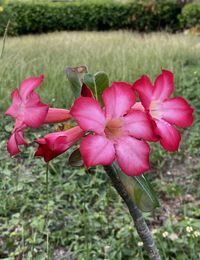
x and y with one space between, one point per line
84 217
124 56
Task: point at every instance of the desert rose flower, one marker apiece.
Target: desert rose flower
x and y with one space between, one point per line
165 111
118 132
54 144
26 105
29 111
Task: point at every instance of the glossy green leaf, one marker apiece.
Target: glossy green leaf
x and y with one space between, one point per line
102 82
139 189
75 159
75 76
97 83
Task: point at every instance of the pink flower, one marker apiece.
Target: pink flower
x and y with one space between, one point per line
27 107
57 143
118 131
165 111
29 111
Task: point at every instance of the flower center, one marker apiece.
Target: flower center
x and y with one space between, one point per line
113 129
154 109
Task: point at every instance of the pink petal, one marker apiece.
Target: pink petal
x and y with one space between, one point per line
118 99
139 125
56 115
132 155
38 115
97 150
35 116
16 102
88 114
12 146
177 111
163 86
138 106
26 106
19 136
57 143
169 136
28 85
16 139
33 112
48 152
44 151
72 135
145 89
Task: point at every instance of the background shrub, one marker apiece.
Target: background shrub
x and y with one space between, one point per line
31 17
166 14
190 15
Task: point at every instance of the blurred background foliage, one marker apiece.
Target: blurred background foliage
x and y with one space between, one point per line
47 16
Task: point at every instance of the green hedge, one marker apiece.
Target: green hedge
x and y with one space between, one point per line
40 18
190 16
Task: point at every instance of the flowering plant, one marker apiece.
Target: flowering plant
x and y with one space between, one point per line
112 125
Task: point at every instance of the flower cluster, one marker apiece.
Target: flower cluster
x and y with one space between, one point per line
118 131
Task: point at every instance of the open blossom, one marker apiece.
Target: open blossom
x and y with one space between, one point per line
29 111
118 132
54 144
27 107
165 111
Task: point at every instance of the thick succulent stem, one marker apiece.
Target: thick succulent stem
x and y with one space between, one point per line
139 221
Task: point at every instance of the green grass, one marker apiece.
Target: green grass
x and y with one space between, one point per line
124 56
85 215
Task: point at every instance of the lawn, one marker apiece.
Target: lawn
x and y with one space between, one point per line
84 218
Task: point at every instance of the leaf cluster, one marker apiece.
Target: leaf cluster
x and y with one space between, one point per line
190 15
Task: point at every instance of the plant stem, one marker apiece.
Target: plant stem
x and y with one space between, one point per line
47 183
4 39
139 221
47 213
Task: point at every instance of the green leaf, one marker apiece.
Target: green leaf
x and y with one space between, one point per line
102 82
75 76
97 83
75 159
139 189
